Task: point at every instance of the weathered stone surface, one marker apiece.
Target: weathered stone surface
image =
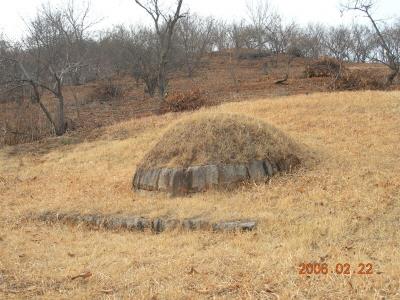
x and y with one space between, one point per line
256 170
149 180
73 218
159 225
179 183
99 221
60 216
195 224
136 179
90 219
268 168
235 226
114 223
47 216
274 168
196 179
211 175
230 174
133 223
139 223
165 179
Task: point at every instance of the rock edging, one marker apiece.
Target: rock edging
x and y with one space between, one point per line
135 223
182 181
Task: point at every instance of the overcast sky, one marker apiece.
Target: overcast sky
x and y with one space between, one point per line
12 12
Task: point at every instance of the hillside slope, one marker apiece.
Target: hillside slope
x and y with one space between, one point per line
342 206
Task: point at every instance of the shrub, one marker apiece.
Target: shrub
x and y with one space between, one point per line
357 80
22 122
324 67
186 100
106 91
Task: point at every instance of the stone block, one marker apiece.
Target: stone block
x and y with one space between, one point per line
268 168
235 226
274 168
230 174
149 180
197 179
90 220
165 179
211 175
194 224
136 179
137 223
179 182
257 170
114 223
159 225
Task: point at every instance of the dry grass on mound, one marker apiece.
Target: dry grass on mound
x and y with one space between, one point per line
218 138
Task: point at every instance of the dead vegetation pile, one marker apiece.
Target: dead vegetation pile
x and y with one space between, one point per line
344 79
353 80
186 100
211 138
323 67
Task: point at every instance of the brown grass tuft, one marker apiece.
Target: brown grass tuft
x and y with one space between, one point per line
215 138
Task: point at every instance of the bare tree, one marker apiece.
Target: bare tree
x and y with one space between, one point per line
362 43
145 63
280 35
312 40
164 25
48 54
337 41
262 18
219 36
389 56
195 36
238 35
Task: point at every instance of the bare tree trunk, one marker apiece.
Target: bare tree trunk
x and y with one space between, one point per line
391 77
61 128
164 27
232 72
48 115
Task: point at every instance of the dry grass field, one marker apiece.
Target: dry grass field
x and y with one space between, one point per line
341 206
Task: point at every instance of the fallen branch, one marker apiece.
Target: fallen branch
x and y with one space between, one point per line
282 81
83 275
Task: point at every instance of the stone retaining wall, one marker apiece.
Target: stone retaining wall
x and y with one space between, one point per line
134 223
179 181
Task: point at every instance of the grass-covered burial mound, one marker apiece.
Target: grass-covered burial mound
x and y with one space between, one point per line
210 150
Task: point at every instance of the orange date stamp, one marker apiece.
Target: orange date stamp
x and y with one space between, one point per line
338 269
